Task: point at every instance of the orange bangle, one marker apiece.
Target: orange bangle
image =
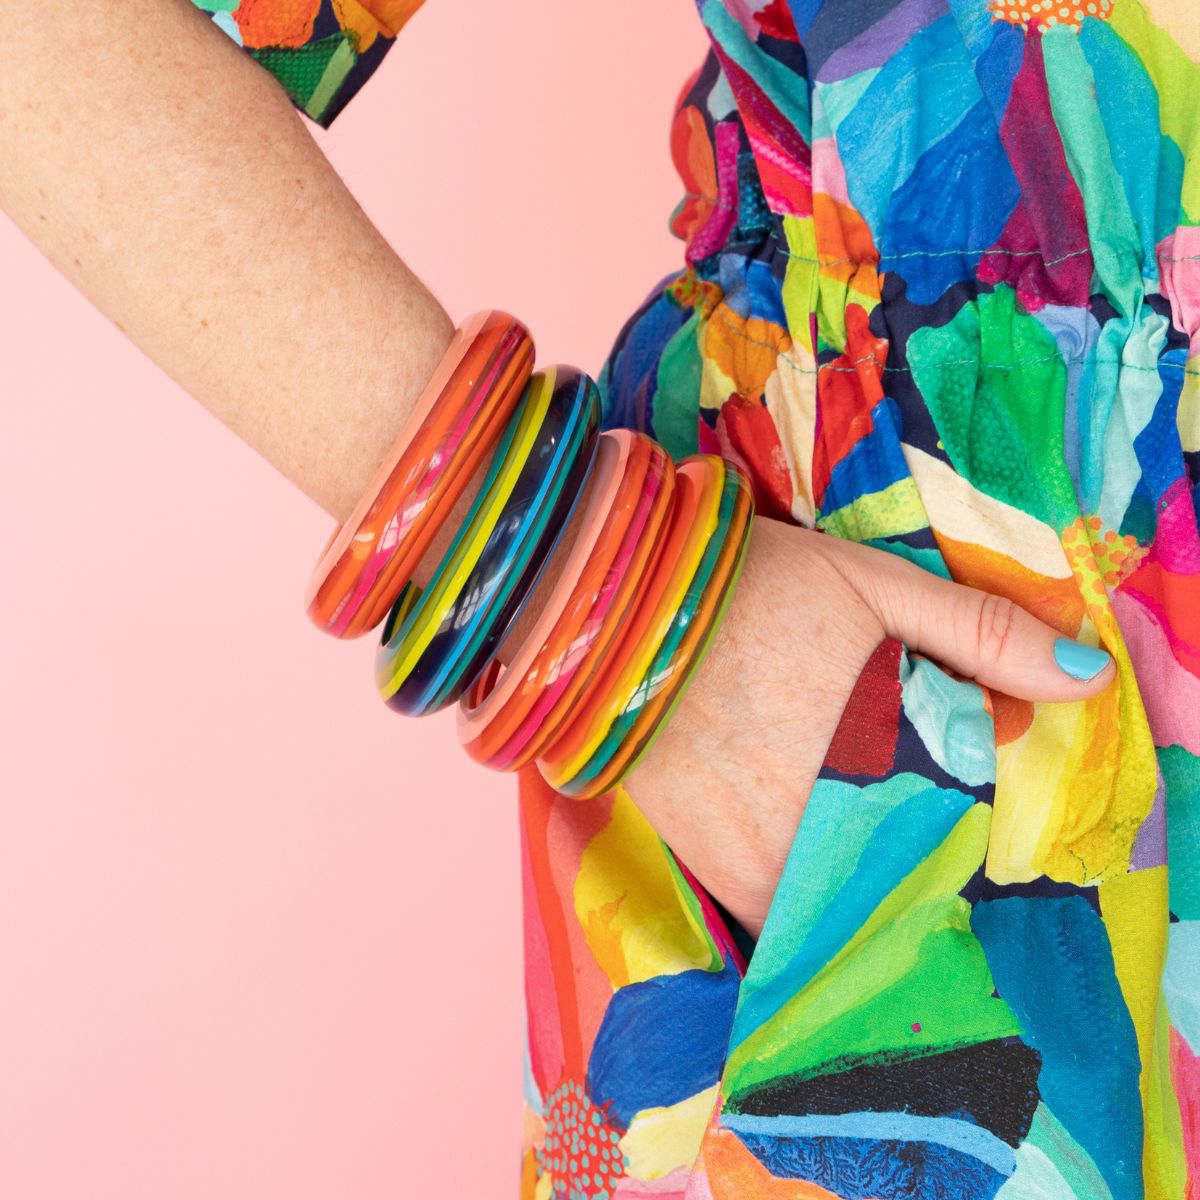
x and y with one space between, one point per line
667 636
457 421
507 725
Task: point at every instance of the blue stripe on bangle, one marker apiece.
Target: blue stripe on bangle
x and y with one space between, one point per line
549 514
525 536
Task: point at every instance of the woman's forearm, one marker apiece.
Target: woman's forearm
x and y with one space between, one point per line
171 180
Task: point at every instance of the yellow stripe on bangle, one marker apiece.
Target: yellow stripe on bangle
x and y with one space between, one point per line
694 520
424 613
682 650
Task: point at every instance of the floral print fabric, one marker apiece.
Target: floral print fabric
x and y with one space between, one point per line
940 294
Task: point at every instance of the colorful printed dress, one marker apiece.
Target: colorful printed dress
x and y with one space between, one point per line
940 294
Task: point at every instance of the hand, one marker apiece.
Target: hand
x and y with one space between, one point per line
761 711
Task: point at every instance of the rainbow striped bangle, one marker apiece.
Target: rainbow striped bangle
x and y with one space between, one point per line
693 581
436 641
465 404
508 717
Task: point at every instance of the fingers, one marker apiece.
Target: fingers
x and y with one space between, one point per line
984 637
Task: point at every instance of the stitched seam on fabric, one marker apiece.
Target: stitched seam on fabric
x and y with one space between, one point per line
1015 364
867 262
715 201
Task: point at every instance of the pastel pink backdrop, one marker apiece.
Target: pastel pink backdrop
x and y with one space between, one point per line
259 936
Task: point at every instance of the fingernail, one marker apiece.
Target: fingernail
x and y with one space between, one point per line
1080 661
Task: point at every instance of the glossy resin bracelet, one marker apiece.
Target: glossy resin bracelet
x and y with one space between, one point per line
666 639
458 418
510 715
436 641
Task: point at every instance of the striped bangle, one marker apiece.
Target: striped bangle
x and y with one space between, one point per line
694 578
470 396
436 641
509 724
634 609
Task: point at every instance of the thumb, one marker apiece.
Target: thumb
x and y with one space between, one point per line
977 634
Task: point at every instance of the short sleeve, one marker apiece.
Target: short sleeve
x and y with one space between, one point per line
321 51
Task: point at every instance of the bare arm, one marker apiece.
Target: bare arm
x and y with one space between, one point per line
227 248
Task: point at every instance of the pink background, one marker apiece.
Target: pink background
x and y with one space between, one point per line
259 936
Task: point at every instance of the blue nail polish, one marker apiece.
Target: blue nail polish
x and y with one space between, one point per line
1080 661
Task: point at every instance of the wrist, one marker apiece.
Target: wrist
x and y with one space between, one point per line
400 359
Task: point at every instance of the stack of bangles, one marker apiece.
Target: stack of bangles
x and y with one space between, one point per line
640 595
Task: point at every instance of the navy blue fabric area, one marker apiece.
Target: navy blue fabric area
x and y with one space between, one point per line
873 1169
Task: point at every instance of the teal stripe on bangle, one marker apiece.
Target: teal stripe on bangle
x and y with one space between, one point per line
665 669
436 643
527 553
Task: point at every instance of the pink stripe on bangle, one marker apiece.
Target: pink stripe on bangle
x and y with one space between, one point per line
510 723
455 423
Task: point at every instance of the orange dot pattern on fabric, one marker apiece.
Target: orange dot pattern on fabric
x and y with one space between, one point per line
1049 14
1100 557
